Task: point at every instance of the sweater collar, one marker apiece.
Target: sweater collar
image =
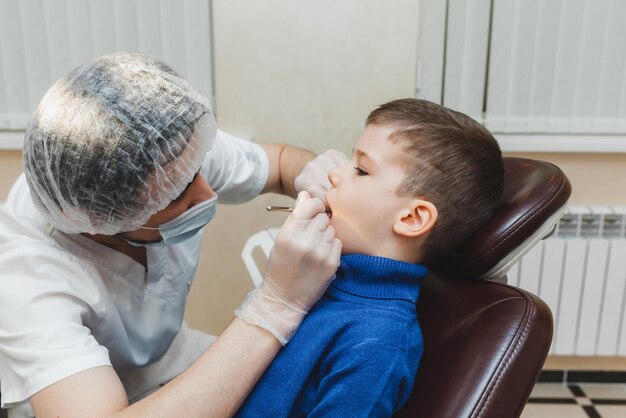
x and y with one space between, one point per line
379 277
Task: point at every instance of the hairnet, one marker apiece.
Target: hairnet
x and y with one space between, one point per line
113 142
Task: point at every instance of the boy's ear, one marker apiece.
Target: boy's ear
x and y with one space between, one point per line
416 219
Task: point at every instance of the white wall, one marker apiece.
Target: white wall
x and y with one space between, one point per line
310 72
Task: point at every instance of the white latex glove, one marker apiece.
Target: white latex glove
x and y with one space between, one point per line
299 269
314 175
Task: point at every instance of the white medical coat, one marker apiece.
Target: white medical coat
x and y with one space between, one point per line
68 303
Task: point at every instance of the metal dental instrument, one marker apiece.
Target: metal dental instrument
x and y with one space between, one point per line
279 209
283 209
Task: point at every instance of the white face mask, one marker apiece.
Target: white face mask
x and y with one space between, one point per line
183 227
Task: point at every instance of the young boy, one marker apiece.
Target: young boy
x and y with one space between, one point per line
422 178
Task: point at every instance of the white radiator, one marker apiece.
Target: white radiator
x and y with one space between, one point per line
580 272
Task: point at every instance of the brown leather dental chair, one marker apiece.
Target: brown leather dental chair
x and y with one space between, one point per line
485 342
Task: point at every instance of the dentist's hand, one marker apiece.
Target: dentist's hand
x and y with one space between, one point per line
299 269
314 175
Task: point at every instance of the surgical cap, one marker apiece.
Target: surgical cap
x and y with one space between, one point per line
113 142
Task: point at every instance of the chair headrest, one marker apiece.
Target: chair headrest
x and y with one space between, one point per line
534 198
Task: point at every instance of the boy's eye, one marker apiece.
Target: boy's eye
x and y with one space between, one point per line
360 172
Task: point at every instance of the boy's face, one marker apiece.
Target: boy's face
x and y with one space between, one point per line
363 196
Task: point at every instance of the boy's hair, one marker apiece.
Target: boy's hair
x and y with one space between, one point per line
451 160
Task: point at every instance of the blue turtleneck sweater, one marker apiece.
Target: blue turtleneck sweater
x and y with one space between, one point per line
357 351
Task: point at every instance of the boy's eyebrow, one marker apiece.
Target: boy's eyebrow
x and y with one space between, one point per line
363 155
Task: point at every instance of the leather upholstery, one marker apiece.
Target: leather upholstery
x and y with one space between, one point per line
484 346
485 342
533 191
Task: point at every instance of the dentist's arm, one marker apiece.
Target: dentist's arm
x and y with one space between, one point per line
301 267
285 164
293 170
214 386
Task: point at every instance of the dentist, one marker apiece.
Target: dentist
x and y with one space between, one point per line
100 241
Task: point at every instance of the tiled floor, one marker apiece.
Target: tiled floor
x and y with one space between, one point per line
574 400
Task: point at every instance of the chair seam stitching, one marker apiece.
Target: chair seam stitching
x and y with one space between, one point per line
508 357
520 226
